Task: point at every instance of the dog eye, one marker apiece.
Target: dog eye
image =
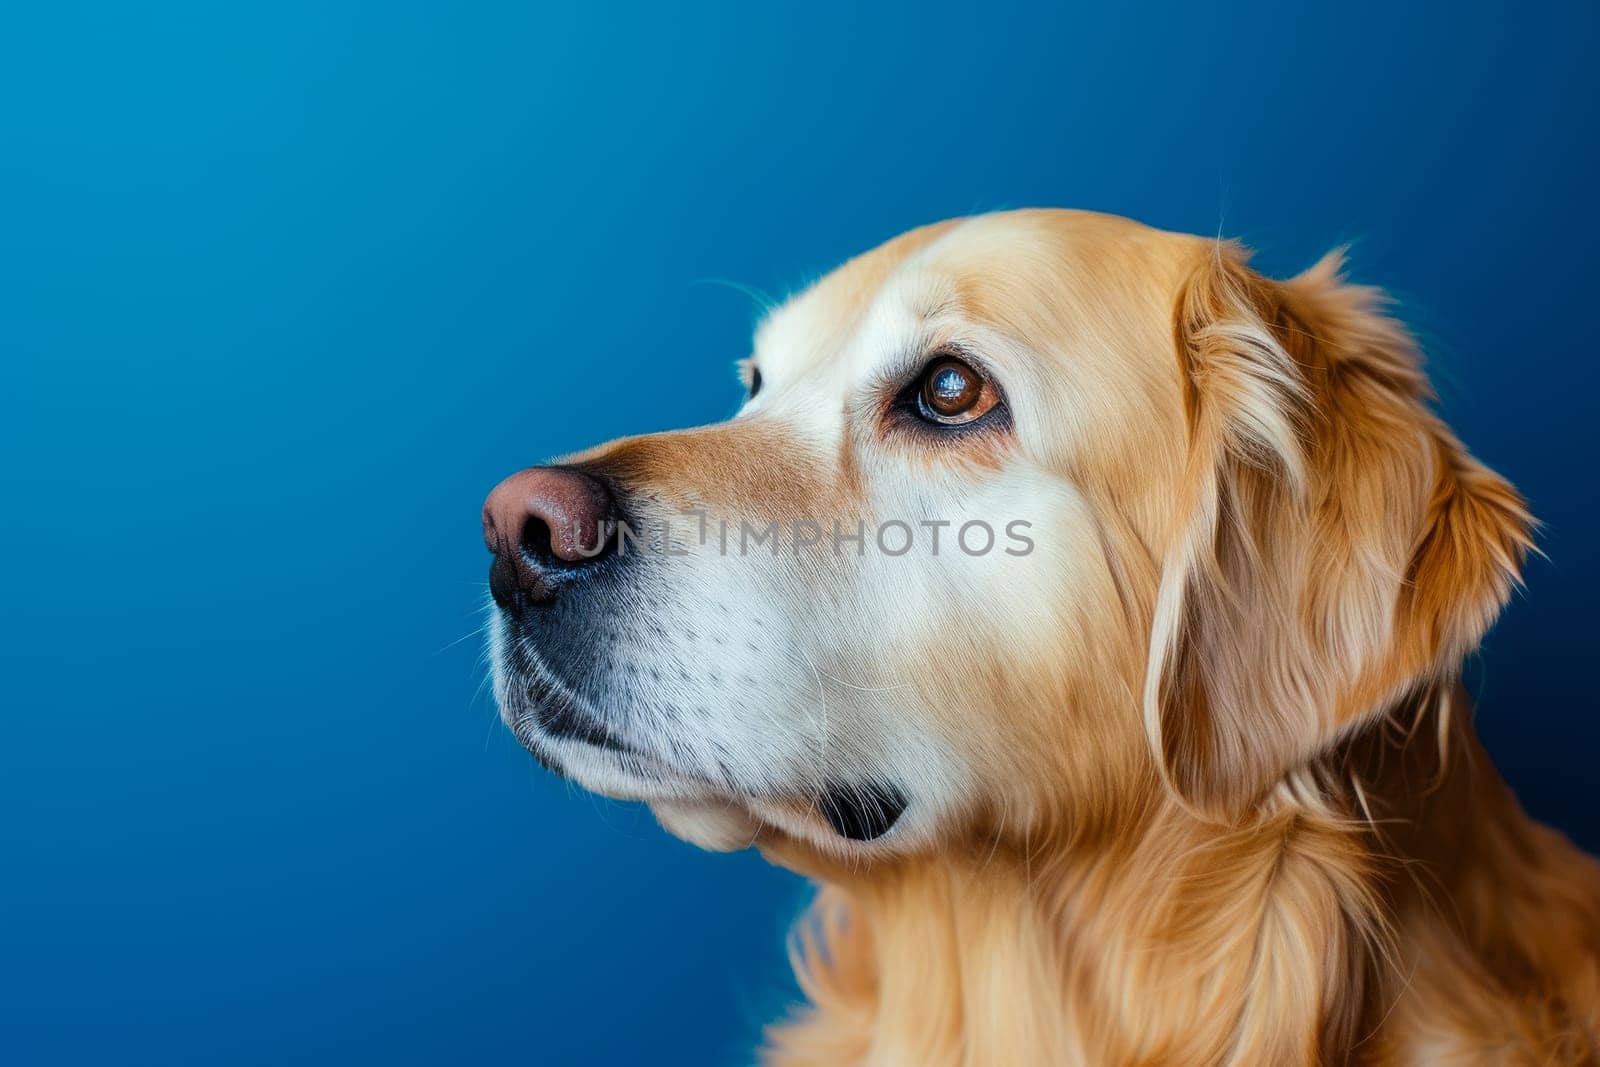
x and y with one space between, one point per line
749 377
952 393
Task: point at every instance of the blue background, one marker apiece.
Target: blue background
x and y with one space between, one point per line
284 289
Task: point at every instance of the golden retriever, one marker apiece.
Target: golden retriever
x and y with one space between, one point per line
1085 612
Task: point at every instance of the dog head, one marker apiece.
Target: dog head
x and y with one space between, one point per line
1028 517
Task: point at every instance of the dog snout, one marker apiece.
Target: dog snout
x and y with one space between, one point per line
542 525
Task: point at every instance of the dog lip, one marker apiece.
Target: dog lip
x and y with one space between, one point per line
862 811
623 773
559 714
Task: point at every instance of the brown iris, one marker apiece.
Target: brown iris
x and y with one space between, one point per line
953 393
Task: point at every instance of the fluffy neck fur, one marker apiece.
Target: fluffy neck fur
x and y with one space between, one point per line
1170 940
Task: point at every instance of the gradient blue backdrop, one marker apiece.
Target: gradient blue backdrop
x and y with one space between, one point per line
285 288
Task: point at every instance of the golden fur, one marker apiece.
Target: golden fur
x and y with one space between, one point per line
1277 886
1220 801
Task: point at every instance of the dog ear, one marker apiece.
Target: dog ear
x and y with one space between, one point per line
1336 548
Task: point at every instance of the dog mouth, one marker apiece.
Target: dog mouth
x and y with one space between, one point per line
566 740
572 739
551 709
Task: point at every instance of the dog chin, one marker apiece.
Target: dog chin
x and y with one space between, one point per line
716 826
729 825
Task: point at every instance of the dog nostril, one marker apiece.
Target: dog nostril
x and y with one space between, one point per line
535 541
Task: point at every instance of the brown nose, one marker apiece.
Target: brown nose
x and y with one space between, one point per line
541 524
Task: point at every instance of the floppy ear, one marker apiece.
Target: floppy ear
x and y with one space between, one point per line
1337 548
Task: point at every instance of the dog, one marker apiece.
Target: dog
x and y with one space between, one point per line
1085 611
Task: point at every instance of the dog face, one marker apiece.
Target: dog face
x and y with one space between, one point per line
1027 518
